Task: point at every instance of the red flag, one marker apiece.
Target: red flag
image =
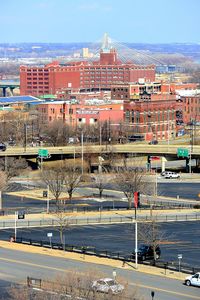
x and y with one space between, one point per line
136 199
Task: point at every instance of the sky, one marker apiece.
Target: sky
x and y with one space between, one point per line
134 21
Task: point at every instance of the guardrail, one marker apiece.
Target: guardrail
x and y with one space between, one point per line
99 220
88 250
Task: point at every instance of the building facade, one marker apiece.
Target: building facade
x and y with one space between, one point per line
90 112
97 75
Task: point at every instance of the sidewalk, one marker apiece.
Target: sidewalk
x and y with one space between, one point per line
123 213
94 260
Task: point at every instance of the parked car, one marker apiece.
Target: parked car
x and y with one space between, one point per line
146 252
107 285
73 140
153 142
11 143
193 280
2 147
169 175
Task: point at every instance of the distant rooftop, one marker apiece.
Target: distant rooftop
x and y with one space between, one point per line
18 99
188 93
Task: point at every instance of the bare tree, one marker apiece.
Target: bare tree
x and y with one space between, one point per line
57 132
72 178
130 180
75 285
13 166
54 179
101 179
151 234
61 218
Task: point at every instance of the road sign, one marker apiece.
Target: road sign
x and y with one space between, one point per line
182 152
43 153
49 234
45 194
21 215
180 256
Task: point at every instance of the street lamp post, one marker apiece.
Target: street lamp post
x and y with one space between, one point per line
48 199
136 228
25 136
168 128
190 160
82 152
100 135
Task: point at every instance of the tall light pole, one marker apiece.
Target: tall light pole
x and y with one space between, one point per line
82 151
136 197
100 135
48 199
25 136
190 161
156 183
168 127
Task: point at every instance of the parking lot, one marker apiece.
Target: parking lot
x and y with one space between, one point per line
178 238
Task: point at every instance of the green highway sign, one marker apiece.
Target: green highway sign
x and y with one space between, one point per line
43 153
182 152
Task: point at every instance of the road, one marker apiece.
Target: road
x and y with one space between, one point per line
17 265
162 150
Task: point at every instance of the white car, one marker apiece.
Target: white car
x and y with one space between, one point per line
170 175
193 280
107 285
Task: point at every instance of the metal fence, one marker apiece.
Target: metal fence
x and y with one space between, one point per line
94 208
73 290
100 219
88 250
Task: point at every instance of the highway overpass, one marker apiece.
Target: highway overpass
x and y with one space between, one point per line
169 152
143 149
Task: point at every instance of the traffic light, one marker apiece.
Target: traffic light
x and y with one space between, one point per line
138 199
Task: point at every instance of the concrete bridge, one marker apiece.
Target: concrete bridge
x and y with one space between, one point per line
166 152
11 85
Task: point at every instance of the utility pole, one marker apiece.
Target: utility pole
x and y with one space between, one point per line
136 228
16 216
25 136
100 135
48 199
82 151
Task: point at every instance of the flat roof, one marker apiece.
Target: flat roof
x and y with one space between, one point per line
18 99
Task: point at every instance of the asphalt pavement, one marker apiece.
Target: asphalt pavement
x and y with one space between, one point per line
177 238
17 265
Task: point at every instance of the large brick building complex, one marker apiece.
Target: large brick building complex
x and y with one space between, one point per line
56 78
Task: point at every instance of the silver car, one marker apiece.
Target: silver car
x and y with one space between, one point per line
107 285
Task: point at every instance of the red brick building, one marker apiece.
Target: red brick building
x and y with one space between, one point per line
76 114
55 78
152 119
191 108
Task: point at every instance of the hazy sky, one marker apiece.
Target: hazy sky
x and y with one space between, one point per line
148 21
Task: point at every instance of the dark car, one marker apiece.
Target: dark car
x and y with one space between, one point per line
153 142
145 252
2 147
